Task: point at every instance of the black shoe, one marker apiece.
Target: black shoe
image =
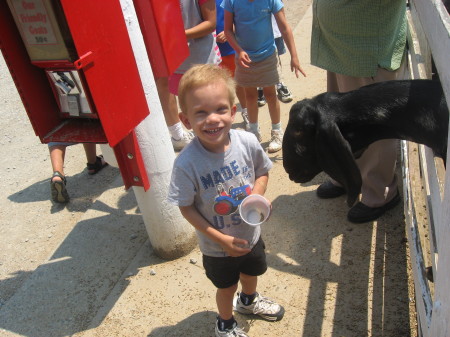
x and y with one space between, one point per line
361 213
328 190
261 98
58 188
283 93
99 164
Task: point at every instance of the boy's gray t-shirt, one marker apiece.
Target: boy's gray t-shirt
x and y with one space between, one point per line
216 183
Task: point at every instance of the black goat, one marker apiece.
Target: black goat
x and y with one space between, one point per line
324 132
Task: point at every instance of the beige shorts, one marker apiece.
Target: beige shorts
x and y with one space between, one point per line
264 73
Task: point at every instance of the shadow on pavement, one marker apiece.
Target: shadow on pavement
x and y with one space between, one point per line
193 325
81 187
64 293
363 264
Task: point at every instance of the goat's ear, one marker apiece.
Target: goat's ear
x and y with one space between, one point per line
335 157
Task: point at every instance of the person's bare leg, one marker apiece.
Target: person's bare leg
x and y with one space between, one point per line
251 95
90 150
240 93
224 300
58 190
272 102
168 101
57 155
248 283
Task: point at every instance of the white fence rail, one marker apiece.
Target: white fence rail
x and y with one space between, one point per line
429 42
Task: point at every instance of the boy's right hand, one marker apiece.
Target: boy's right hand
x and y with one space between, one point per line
233 246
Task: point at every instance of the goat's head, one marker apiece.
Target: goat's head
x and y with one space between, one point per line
313 143
299 158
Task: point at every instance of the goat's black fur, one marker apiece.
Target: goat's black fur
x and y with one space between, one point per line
324 132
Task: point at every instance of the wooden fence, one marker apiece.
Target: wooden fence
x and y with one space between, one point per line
426 182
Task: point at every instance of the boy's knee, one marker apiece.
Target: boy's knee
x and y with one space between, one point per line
245 277
231 289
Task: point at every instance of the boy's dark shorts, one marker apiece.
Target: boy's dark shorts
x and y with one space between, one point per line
224 271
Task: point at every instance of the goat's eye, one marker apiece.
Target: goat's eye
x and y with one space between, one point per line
298 134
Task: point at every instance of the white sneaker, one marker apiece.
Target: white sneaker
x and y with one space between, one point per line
257 134
179 144
245 118
234 331
276 141
261 306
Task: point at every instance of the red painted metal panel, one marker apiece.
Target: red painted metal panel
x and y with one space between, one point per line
163 31
130 162
98 27
76 130
54 64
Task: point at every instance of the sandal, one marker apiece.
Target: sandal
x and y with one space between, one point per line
97 166
58 188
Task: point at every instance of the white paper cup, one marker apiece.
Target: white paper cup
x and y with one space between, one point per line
254 209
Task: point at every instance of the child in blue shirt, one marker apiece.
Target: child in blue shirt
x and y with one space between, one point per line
227 52
248 28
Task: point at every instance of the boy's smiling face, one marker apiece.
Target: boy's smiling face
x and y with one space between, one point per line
210 115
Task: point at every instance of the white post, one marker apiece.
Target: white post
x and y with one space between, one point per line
170 234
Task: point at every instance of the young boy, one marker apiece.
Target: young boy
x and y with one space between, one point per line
248 28
222 162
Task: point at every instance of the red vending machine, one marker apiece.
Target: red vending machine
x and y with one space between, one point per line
74 67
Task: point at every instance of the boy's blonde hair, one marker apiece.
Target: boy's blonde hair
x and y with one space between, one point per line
204 74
